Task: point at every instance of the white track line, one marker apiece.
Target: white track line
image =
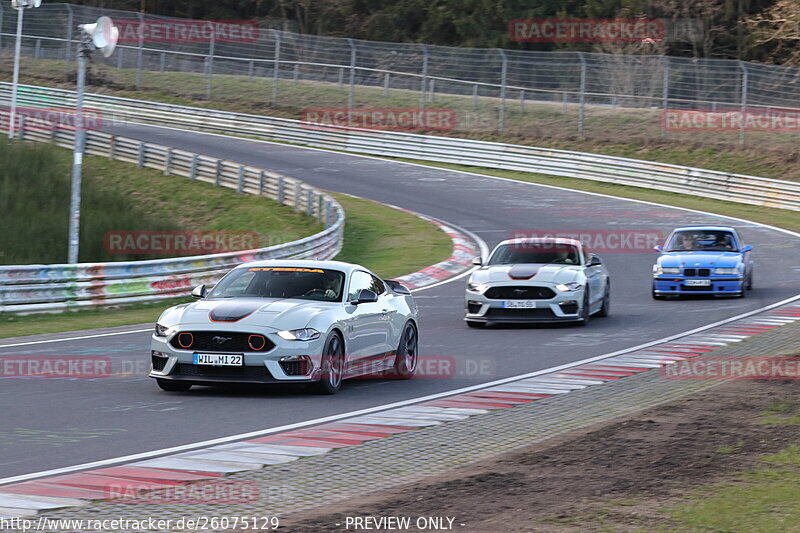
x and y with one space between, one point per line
75 338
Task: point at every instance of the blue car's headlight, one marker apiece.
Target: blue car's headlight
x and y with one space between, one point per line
668 271
726 271
304 334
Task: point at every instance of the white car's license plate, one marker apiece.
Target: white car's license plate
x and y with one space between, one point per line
697 282
218 359
519 304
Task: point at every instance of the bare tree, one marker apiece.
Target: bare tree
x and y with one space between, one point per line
778 27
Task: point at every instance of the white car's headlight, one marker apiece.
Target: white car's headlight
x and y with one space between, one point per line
476 287
726 271
163 331
669 271
573 286
304 334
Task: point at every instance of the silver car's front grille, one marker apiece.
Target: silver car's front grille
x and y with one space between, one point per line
519 292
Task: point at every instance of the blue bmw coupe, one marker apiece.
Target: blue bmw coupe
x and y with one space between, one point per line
703 260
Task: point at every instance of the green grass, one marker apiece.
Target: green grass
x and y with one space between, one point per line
388 241
781 412
766 500
34 200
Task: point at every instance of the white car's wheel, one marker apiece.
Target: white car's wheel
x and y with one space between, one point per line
605 309
332 366
586 314
405 362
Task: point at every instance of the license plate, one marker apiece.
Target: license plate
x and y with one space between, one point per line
697 282
218 359
519 304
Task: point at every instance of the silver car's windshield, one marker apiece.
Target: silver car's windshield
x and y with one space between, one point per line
701 241
515 253
281 282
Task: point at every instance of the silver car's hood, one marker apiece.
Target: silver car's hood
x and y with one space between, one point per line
277 313
527 273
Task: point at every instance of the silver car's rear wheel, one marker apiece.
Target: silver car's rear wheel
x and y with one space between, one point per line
332 366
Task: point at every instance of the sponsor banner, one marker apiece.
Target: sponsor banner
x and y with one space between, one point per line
777 120
555 30
178 242
55 366
595 240
133 31
381 118
59 118
214 492
731 368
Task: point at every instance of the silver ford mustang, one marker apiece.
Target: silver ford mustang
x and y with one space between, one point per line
314 322
537 280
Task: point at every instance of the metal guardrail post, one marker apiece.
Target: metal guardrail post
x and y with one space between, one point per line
70 29
193 169
112 147
276 66
297 196
351 89
664 95
119 52
21 128
162 65
140 52
296 74
168 162
341 78
309 202
327 214
503 79
240 180
424 82
37 50
432 91
522 101
475 96
582 97
140 159
386 84
743 98
218 172
262 179
320 202
251 67
281 192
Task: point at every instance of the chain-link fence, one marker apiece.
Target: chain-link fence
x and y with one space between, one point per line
532 94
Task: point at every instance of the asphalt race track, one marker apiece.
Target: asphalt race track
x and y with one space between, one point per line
53 423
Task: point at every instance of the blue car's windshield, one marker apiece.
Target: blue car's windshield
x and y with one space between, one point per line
511 254
282 282
702 241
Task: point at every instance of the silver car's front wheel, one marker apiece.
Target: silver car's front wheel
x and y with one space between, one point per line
405 361
332 371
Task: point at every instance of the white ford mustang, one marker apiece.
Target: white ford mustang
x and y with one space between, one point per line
314 322
537 280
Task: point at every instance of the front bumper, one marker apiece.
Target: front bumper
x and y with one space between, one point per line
173 364
674 285
563 307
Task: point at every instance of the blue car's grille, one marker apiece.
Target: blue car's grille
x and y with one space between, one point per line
691 272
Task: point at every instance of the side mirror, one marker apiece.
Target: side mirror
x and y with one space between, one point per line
365 296
200 291
658 248
594 261
746 248
477 261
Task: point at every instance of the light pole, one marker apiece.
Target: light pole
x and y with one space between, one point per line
20 6
103 36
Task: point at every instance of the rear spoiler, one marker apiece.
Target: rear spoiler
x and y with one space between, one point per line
397 287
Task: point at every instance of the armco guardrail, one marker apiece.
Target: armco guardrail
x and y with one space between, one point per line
37 288
674 178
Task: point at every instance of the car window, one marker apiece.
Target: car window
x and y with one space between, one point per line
377 286
359 280
702 240
282 282
555 253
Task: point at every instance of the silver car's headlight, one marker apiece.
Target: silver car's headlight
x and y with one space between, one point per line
669 271
726 271
304 334
163 331
566 287
476 287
